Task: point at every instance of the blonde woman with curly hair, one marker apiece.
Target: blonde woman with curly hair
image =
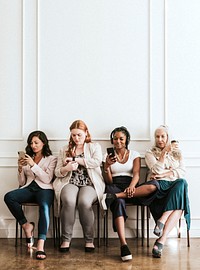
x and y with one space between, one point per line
79 184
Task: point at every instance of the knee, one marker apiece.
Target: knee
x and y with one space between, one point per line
151 188
7 197
67 202
83 204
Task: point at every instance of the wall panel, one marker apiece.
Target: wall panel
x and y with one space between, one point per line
11 75
182 68
92 68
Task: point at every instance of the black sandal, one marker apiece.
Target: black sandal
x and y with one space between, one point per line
40 252
30 240
157 252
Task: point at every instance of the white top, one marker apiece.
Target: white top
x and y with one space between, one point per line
126 168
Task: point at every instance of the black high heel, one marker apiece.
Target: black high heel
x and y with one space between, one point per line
64 249
89 249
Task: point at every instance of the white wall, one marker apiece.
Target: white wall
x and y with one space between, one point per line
110 62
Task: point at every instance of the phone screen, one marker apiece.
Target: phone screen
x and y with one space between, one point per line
111 151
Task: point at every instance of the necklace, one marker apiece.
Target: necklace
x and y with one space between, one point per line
122 159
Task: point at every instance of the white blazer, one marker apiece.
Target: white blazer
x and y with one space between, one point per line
93 161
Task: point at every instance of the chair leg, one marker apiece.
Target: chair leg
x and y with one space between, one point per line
137 220
179 233
54 227
148 216
106 228
179 228
16 233
188 238
142 223
98 225
59 231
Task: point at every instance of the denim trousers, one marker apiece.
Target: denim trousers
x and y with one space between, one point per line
31 194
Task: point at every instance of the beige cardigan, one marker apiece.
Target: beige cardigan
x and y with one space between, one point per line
93 161
156 167
42 173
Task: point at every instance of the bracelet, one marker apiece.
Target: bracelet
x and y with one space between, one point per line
73 158
105 171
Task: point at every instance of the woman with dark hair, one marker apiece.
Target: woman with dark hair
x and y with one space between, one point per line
35 175
79 184
121 173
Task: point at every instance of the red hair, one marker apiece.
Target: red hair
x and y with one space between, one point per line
77 124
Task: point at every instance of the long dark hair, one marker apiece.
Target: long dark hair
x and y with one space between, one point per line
42 136
123 130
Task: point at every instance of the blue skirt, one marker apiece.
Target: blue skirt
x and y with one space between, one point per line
172 195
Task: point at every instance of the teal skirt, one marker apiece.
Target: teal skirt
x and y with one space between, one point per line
172 195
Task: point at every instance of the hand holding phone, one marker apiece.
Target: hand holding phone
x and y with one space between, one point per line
21 154
111 152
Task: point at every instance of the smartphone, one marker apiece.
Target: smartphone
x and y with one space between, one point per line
21 154
111 151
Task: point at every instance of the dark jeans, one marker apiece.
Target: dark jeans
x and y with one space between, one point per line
118 207
31 194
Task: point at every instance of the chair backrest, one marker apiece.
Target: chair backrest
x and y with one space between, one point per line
143 174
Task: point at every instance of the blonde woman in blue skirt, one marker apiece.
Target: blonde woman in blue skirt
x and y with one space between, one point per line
166 165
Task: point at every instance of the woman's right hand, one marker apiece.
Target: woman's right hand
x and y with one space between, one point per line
167 148
71 166
110 160
20 164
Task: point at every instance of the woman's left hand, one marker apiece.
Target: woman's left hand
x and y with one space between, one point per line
130 191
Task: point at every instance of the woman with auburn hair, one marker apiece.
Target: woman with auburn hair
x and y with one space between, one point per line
79 184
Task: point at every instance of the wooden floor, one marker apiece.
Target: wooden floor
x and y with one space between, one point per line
176 256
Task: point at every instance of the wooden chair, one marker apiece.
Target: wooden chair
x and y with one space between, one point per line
24 205
179 233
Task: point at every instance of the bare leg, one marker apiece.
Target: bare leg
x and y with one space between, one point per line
170 223
119 223
165 216
28 230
